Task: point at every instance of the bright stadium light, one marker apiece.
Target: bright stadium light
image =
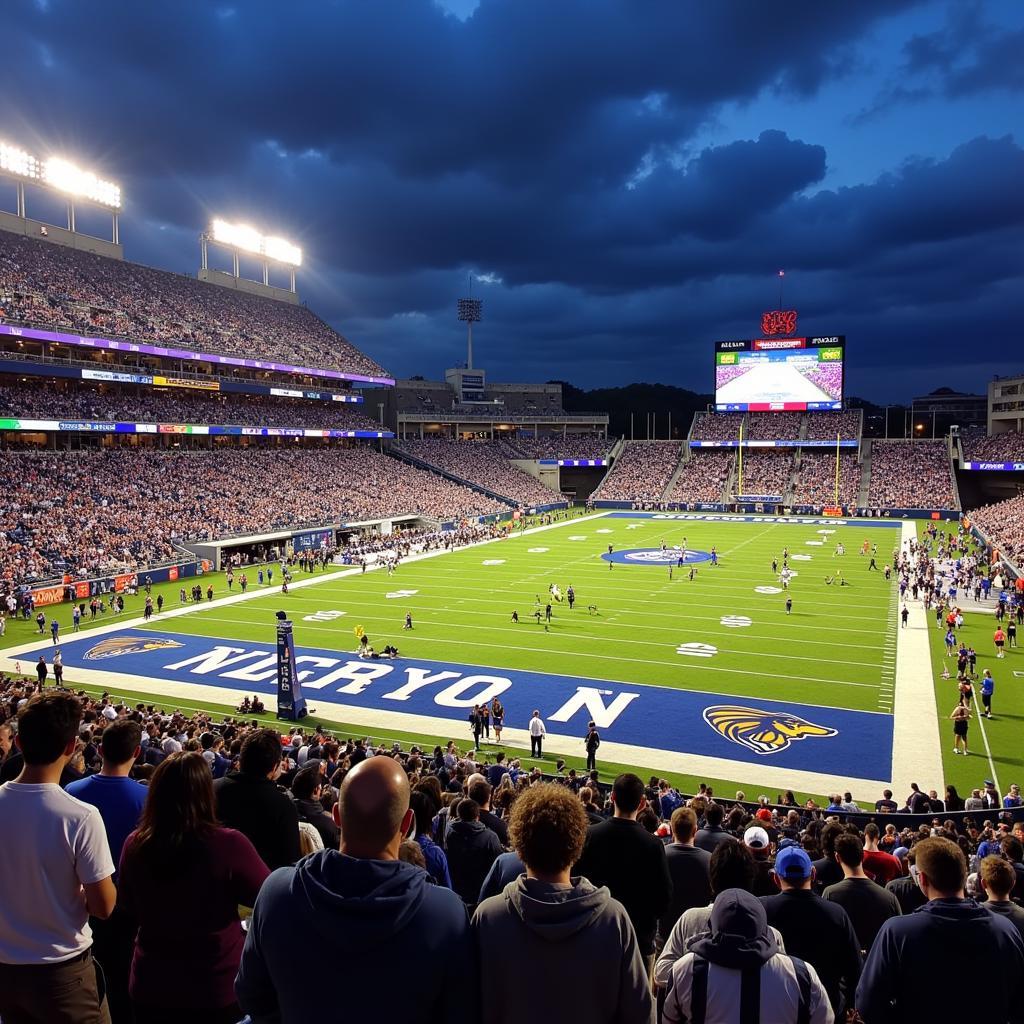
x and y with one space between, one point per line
248 239
64 176
17 161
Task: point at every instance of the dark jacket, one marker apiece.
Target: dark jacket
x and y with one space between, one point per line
619 854
497 825
264 812
507 868
534 940
908 893
690 872
954 939
820 933
709 838
361 918
313 812
471 850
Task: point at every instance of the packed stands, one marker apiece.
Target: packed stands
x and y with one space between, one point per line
87 512
641 472
484 464
703 476
773 426
910 474
39 399
58 288
572 446
815 480
717 426
1003 523
979 447
765 471
823 426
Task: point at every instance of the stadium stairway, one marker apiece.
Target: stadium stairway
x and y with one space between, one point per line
684 456
865 472
953 445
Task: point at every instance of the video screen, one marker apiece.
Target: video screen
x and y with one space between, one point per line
779 374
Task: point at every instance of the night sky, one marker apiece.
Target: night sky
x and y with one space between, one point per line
621 178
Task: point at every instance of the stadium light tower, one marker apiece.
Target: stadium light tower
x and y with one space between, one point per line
240 238
470 312
56 174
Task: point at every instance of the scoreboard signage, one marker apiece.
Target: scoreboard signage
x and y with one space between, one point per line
1003 467
780 374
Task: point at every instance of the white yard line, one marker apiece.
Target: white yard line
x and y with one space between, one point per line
988 750
916 743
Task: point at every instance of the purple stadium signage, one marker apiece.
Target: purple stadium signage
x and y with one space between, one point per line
802 443
83 341
1008 467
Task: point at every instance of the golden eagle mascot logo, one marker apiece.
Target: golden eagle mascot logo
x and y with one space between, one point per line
763 732
115 646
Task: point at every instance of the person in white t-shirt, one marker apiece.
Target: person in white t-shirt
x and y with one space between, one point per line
54 873
537 734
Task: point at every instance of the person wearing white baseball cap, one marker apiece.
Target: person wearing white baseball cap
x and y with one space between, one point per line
757 841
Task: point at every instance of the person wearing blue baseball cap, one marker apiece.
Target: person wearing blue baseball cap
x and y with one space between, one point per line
814 930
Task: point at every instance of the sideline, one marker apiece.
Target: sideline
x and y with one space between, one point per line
916 743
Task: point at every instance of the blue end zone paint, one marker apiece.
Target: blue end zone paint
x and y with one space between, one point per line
656 717
724 517
655 556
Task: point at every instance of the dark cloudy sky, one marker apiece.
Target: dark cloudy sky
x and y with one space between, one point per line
623 178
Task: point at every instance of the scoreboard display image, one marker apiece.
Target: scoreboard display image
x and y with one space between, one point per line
779 374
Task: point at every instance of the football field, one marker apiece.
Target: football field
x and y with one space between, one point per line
694 669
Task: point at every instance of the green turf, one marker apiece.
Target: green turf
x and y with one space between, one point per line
998 738
829 651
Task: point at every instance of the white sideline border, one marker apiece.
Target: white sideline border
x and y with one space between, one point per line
910 751
916 744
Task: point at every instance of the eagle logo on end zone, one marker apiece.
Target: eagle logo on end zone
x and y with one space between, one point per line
763 732
115 646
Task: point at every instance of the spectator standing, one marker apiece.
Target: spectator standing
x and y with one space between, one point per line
55 871
471 848
120 800
537 734
881 866
433 856
689 870
950 937
756 840
307 787
906 890
814 930
480 791
180 857
592 741
712 834
752 979
548 923
620 854
251 801
372 921
867 905
998 879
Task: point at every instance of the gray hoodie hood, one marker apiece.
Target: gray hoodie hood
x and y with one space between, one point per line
555 912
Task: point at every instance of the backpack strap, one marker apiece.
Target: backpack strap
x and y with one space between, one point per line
750 996
699 990
803 978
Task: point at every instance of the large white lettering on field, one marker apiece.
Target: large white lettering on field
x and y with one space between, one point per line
418 677
592 700
219 658
359 673
487 687
255 672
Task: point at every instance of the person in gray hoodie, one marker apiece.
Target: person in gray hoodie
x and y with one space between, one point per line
365 919
554 928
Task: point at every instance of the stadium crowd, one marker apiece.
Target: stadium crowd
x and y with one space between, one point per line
815 480
717 426
571 446
59 288
140 832
703 475
43 399
773 426
90 512
485 464
765 471
823 426
910 474
979 447
1003 523
641 472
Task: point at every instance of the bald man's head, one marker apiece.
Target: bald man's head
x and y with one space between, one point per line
372 807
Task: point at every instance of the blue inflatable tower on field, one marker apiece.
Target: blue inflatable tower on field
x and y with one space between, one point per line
291 704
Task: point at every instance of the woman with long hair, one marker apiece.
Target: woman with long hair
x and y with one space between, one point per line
961 716
182 880
954 801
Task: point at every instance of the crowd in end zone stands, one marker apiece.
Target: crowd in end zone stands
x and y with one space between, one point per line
717 426
773 426
41 399
489 893
823 426
910 474
1005 447
1003 523
703 475
777 426
572 446
87 512
55 287
641 472
485 464
765 471
815 481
